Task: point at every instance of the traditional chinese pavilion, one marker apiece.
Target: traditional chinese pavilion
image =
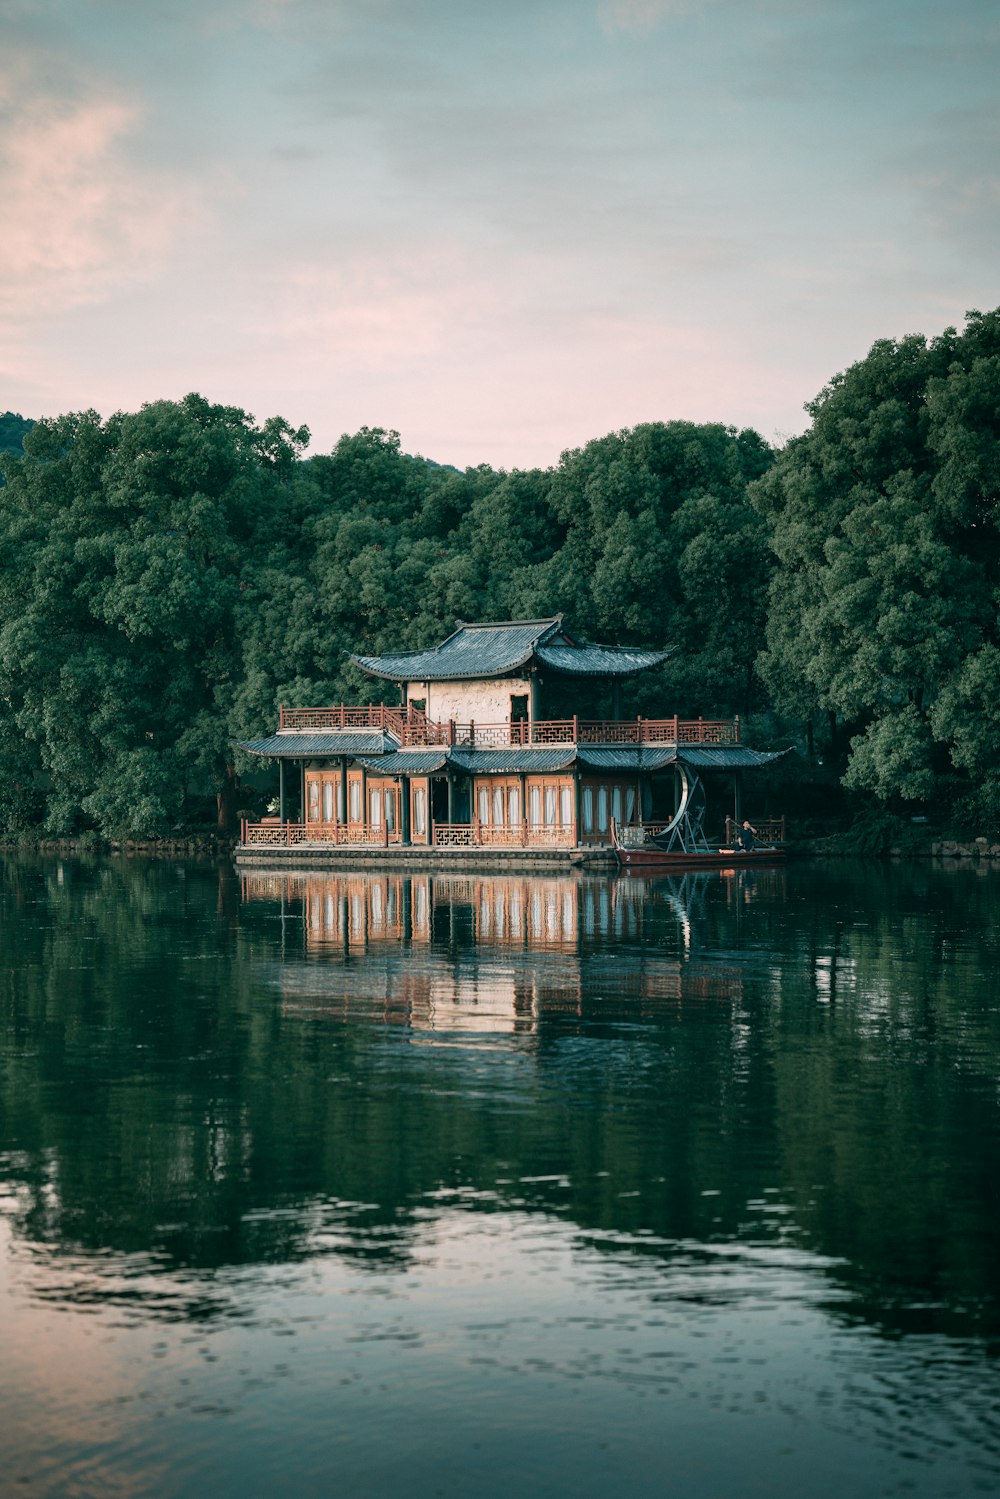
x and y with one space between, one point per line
467 760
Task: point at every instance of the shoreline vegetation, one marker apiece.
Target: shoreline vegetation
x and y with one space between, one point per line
957 852
169 577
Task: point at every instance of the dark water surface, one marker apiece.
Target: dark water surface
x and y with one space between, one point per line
493 1186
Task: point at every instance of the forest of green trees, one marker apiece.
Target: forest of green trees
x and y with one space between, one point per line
168 577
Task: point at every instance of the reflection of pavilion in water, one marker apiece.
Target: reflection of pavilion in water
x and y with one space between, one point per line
491 952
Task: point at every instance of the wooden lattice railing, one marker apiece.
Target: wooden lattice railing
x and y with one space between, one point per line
412 728
446 835
638 833
766 829
506 835
454 835
288 834
367 716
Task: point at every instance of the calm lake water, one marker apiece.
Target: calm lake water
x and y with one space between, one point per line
492 1186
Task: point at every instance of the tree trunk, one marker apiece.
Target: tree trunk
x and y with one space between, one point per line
226 799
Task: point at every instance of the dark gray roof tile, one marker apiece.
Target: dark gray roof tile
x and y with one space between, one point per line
627 757
293 745
598 660
493 650
512 761
409 762
727 756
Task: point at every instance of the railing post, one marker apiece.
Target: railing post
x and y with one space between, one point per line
676 732
736 726
642 728
281 716
451 731
576 729
472 731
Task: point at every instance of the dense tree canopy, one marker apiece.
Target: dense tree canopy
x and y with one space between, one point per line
883 517
169 577
123 546
13 430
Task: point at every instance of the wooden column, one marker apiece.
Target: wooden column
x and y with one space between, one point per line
404 810
342 792
281 792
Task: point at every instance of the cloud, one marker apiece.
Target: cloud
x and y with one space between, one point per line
81 219
499 228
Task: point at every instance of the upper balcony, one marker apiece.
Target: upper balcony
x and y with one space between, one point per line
413 729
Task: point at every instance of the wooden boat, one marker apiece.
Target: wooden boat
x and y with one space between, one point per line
648 858
681 843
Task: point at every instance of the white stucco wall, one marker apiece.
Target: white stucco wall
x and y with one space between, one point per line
482 702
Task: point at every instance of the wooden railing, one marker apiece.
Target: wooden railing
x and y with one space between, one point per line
367 716
507 835
454 835
638 833
766 829
414 729
446 835
289 834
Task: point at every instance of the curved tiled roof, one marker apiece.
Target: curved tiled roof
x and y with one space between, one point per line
532 758
290 745
380 753
408 762
494 650
598 660
727 756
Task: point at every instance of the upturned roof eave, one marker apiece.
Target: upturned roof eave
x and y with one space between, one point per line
452 676
370 664
578 658
652 658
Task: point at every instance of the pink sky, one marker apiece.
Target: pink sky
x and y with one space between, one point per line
501 231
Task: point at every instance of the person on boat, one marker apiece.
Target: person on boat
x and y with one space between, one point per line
745 837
